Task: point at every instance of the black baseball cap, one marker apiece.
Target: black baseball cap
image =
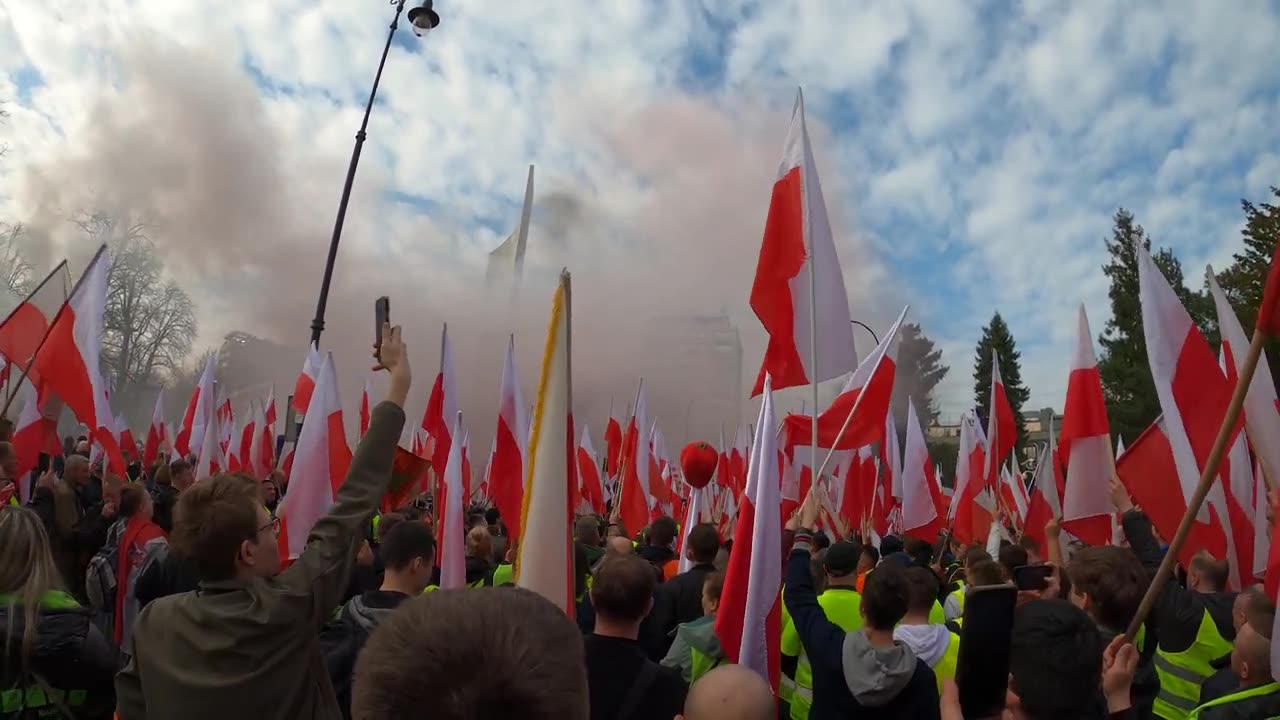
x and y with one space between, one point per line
842 559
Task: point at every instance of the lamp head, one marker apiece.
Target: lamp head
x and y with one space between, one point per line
423 19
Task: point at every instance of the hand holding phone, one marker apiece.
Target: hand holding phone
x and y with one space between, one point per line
1032 577
982 669
381 317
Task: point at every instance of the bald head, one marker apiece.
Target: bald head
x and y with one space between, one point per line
1251 657
619 546
730 691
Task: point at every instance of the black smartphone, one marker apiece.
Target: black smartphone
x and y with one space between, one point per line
381 316
1032 577
982 669
42 464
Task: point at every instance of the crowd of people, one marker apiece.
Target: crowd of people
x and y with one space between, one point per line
166 596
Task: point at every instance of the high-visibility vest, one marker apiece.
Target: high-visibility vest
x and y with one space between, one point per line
503 574
936 614
703 663
1182 673
958 594
946 667
842 606
1268 689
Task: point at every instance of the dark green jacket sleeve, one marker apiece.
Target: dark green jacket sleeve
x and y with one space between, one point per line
317 580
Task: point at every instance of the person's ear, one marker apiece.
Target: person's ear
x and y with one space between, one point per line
688 553
1244 670
648 607
246 556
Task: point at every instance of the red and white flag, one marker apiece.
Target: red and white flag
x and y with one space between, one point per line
22 332
1193 391
1002 432
799 288
868 388
544 563
200 411
971 508
696 513
364 406
321 459
453 557
442 408
1085 444
612 443
305 385
922 503
35 433
1261 416
589 475
749 621
635 502
67 362
507 470
211 460
226 424
265 453
155 433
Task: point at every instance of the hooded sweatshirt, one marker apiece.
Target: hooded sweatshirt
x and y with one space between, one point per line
928 642
851 678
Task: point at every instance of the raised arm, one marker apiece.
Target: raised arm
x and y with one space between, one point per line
319 576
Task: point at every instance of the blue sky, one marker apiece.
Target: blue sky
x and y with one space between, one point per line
971 153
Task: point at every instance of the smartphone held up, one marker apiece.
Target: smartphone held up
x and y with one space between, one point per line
381 316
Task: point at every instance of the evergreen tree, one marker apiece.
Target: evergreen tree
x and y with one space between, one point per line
1127 386
919 370
996 336
1243 281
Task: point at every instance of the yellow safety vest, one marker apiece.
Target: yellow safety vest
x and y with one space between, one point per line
946 667
842 606
503 574
936 615
1182 673
1259 691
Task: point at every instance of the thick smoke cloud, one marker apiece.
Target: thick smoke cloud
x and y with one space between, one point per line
242 216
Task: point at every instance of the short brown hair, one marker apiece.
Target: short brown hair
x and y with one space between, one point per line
986 572
622 587
1213 570
177 467
713 585
132 498
212 518
467 653
1114 580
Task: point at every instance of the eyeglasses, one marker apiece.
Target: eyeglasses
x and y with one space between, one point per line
274 525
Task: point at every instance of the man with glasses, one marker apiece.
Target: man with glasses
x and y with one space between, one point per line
244 644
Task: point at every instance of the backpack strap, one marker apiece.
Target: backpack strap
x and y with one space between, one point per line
648 673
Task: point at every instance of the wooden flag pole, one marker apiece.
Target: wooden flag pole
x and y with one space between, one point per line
1207 477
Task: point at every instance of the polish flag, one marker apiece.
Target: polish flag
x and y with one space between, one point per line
749 621
1046 497
321 459
612 443
1260 405
798 288
868 389
695 514
23 331
211 461
442 407
634 506
1002 432
453 561
67 362
1261 541
234 449
544 563
364 406
128 445
971 508
1014 495
466 467
226 423
1239 487
199 411
922 502
589 474
508 471
35 433
305 385
891 461
1192 389
1269 310
1085 443
155 433
266 448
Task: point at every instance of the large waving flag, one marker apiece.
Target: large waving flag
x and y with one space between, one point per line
1085 444
1002 431
868 389
265 452
589 475
211 460
155 433
507 469
971 510
442 406
545 560
25 329
36 432
1261 416
749 621
922 504
200 410
612 443
634 504
321 459
1193 391
68 363
453 560
306 382
799 288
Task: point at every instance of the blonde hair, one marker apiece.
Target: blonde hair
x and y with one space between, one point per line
27 571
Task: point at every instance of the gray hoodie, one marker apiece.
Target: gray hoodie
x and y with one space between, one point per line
874 675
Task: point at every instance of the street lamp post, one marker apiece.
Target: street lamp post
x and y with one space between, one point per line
423 19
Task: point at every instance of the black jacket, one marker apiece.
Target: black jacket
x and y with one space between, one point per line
614 666
166 574
163 498
1262 706
824 643
342 639
679 600
68 653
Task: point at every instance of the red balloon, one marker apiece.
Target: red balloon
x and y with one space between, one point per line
698 462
